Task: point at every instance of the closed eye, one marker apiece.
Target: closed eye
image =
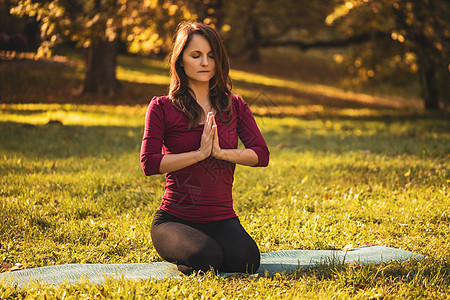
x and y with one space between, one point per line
197 54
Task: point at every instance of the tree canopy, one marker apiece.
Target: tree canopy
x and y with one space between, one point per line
409 34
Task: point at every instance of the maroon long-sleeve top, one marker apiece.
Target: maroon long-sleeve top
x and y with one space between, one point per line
201 192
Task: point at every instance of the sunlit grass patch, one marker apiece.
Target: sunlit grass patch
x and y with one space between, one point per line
71 114
143 70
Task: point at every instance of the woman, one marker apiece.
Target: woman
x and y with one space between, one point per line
192 136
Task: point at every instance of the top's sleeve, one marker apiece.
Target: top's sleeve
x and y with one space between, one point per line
152 140
250 134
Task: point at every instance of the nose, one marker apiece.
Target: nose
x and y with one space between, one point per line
205 61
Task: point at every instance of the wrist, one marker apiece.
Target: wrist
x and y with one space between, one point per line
219 154
200 155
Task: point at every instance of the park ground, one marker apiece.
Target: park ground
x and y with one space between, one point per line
349 165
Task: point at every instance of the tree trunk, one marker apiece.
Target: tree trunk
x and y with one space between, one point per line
429 83
253 38
100 74
254 45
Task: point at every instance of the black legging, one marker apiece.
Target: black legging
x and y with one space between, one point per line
223 245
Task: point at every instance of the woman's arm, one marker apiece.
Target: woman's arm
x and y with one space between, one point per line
174 162
246 157
249 133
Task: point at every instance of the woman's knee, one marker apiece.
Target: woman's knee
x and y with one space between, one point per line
250 256
251 260
202 260
245 260
205 259
183 245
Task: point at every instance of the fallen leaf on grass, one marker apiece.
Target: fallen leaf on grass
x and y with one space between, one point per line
348 247
45 258
353 266
369 244
9 268
6 266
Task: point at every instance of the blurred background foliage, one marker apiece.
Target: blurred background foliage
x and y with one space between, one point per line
396 41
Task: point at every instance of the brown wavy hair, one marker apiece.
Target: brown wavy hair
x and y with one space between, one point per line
219 85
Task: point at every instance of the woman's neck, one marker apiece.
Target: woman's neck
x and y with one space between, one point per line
201 93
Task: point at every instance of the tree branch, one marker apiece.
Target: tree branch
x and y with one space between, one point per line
356 39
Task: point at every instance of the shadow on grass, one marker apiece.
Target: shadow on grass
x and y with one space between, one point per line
297 96
357 114
54 141
131 93
28 81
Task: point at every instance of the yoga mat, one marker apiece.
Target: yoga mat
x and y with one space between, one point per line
271 263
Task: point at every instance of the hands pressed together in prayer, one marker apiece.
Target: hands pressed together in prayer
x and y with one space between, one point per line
209 145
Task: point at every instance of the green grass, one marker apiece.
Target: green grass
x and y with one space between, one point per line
71 191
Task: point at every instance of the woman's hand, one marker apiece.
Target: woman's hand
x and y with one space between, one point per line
216 150
206 143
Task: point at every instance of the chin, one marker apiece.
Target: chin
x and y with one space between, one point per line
205 78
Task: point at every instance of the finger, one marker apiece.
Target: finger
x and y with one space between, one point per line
215 146
209 135
208 117
214 130
207 126
209 129
211 121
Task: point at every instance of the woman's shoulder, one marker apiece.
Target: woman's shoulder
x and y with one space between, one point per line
160 100
237 100
238 103
164 107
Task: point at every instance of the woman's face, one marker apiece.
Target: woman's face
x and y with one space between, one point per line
198 60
